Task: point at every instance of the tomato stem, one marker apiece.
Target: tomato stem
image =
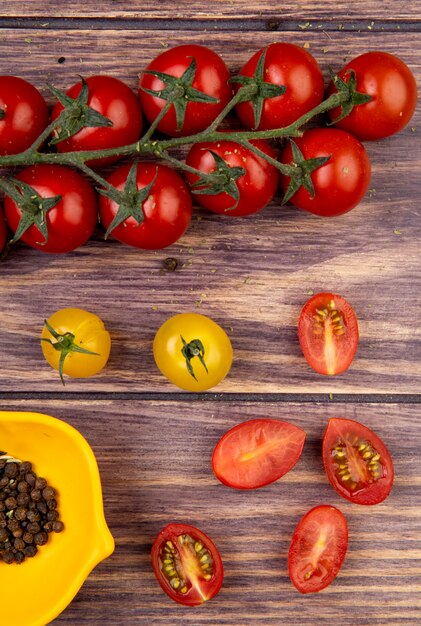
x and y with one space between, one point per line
160 147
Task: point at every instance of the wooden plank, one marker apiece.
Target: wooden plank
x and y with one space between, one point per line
251 275
302 10
165 476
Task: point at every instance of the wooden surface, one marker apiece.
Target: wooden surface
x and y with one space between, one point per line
252 276
167 448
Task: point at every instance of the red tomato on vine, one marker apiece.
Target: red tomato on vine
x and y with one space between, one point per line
195 79
23 114
393 91
150 208
51 208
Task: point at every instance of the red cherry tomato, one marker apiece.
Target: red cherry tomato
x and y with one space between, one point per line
187 564
318 548
166 211
70 222
256 453
392 86
357 463
23 114
211 78
256 187
3 230
289 65
328 333
115 101
341 183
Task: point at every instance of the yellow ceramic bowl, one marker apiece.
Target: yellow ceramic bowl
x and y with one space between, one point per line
36 591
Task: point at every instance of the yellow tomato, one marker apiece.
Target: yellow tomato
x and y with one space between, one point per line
75 342
192 351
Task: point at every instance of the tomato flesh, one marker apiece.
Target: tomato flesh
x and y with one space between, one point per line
357 462
318 548
328 333
187 564
256 453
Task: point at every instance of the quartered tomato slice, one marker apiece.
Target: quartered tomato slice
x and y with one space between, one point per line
187 564
318 548
328 333
256 453
357 462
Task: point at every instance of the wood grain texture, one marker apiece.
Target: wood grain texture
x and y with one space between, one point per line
195 9
251 275
166 476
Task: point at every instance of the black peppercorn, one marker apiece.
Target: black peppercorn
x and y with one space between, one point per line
19 557
33 527
30 551
40 538
48 493
23 486
30 478
36 495
11 470
33 516
58 526
27 511
22 499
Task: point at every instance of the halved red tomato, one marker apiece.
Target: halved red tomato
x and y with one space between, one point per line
256 453
318 548
328 333
357 463
187 564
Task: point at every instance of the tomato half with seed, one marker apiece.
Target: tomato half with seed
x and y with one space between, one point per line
357 462
289 66
192 351
113 99
164 215
318 548
256 453
256 187
75 342
340 183
209 80
392 86
328 333
187 564
23 114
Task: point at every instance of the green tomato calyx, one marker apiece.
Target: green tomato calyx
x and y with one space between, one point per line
353 97
76 114
257 90
302 176
190 350
179 91
65 344
33 207
129 201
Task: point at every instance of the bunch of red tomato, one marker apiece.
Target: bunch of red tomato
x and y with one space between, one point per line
183 90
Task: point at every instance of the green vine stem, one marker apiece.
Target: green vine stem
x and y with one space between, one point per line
160 147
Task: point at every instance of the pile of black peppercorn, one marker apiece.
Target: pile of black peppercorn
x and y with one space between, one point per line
28 511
